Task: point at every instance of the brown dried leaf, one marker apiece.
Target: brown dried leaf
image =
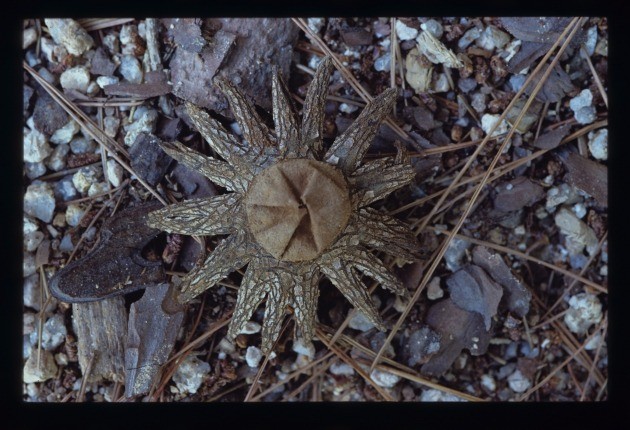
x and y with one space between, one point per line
587 175
473 290
536 29
557 85
517 294
516 194
552 139
150 338
153 87
116 266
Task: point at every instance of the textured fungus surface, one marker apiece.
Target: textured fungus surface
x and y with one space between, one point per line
293 210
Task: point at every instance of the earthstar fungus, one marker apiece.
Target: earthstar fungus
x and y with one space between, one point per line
293 210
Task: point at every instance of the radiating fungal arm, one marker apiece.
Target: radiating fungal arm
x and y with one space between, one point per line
313 110
281 285
284 117
348 150
231 254
206 216
219 172
305 302
375 179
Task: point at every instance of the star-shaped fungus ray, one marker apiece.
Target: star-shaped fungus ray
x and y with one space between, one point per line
292 214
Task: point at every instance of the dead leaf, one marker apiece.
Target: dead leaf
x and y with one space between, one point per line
516 292
156 85
552 138
557 85
458 329
587 175
472 289
516 194
117 265
151 335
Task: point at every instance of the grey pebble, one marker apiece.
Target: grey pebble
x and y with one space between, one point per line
65 190
39 201
34 170
131 69
467 84
35 146
53 334
57 160
70 34
66 244
81 145
382 63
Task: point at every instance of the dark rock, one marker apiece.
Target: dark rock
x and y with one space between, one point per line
356 36
155 85
516 292
170 129
187 34
473 290
193 183
557 85
552 139
421 345
422 117
102 65
48 116
148 160
516 194
587 175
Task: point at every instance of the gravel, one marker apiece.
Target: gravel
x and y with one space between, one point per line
581 105
433 395
253 355
518 382
598 144
103 81
131 69
75 78
70 34
384 379
85 177
53 334
577 233
74 212
305 348
57 160
114 173
190 374
584 311
404 32
144 122
82 145
36 147
47 368
65 133
39 201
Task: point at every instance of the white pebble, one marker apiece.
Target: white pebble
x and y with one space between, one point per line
584 310
341 368
70 34
82 145
598 144
65 133
404 32
29 36
32 240
114 173
594 343
434 291
110 125
578 234
360 322
28 265
190 374
433 395
39 201
441 84
103 81
131 69
488 382
29 225
384 379
591 40
579 210
469 37
347 108
382 63
581 105
74 212
35 146
492 38
253 356
47 368
315 24
489 120
84 178
57 160
53 334
75 78
562 194
251 327
518 382
144 122
34 170
433 27
304 347
98 188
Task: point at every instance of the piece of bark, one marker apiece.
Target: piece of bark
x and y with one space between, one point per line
187 34
536 29
557 85
458 329
151 335
517 296
117 265
422 117
552 139
148 160
101 329
48 115
587 175
516 194
155 85
472 289
230 53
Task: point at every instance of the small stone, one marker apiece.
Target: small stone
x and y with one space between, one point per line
57 160
516 82
47 47
34 170
598 144
190 374
82 145
36 147
70 34
581 105
65 133
578 234
433 395
85 177
53 334
404 32
32 240
304 347
61 359
74 213
92 89
360 322
467 85
441 84
131 69
66 244
253 356
421 344
434 291
315 24
433 27
28 265
594 342
602 47
341 369
518 382
488 383
517 194
454 254
347 108
579 210
591 40
492 38
110 126
29 36
489 120
144 122
112 43
98 188
478 101
39 201
75 78
562 194
382 63
65 190
103 81
384 379
584 311
47 368
469 37
114 173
